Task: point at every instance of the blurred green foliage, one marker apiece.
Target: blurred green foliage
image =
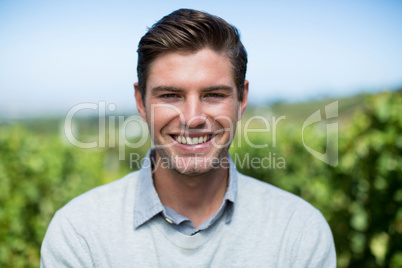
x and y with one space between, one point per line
361 197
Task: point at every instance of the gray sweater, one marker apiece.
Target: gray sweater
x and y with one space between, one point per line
269 228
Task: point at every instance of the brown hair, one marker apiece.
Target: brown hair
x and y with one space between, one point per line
191 30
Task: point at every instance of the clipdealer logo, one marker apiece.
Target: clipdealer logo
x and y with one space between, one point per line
107 136
330 156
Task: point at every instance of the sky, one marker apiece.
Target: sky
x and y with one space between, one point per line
57 54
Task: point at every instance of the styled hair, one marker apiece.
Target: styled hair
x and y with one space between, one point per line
191 30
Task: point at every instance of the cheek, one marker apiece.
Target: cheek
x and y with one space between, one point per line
225 109
226 117
227 122
160 114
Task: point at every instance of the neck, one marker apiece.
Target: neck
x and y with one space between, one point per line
195 197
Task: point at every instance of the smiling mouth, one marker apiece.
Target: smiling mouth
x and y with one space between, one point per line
192 141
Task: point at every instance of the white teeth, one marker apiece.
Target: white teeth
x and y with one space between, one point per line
192 141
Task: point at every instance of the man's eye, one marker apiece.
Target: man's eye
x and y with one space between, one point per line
214 95
169 96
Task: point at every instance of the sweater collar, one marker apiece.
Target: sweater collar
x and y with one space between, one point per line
147 203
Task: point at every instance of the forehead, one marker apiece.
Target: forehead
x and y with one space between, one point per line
203 68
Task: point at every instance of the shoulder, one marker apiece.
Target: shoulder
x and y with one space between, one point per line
270 202
90 220
288 218
101 200
265 193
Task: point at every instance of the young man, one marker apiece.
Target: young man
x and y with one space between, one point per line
191 207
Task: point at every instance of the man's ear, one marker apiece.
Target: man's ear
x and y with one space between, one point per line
139 101
243 103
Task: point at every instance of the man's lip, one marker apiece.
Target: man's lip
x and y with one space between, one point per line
192 135
194 145
196 139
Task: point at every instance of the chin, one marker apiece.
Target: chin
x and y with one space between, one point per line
193 166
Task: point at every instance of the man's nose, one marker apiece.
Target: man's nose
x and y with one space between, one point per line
193 113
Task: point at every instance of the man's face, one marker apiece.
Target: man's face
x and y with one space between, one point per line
191 107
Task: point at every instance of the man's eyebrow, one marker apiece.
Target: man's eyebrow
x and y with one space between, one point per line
159 89
219 87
